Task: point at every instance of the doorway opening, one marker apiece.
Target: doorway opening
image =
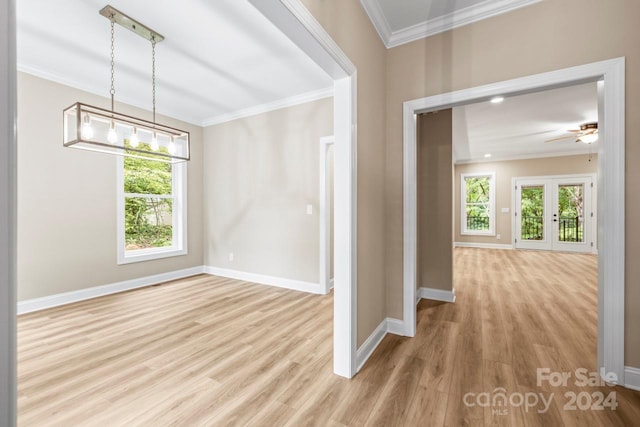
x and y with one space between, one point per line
609 76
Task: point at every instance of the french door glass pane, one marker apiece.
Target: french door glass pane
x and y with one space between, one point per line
571 213
532 209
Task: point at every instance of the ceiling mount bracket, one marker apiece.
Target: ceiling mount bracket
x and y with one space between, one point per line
129 23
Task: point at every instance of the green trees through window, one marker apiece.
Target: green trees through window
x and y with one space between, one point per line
532 213
477 202
148 204
570 214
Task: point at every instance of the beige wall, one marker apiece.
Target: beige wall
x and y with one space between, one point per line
435 200
349 26
546 36
260 174
67 200
505 171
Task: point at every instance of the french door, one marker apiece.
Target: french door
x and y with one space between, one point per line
554 213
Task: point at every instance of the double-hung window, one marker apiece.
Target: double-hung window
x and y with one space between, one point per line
152 221
477 203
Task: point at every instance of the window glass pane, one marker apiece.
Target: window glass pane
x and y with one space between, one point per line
148 223
532 218
571 210
146 176
477 203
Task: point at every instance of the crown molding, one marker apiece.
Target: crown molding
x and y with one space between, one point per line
100 91
247 112
459 18
270 106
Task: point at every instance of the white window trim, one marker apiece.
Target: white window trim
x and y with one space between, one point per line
179 190
492 204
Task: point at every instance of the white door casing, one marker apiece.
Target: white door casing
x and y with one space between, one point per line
610 75
326 143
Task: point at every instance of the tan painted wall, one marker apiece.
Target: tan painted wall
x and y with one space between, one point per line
260 174
67 200
505 171
546 36
349 26
435 201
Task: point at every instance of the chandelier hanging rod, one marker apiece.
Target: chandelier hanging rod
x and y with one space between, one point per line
129 23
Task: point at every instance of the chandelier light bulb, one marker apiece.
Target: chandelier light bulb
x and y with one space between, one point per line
172 147
87 129
154 142
134 141
112 136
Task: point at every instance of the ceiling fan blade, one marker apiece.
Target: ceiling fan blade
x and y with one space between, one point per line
574 130
561 138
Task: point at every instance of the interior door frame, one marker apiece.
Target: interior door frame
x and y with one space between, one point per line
326 281
610 75
593 226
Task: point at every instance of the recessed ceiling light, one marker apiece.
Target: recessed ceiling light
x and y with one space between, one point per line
497 99
486 156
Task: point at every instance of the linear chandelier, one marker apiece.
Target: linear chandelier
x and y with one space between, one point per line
107 131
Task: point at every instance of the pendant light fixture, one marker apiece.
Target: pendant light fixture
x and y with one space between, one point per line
107 131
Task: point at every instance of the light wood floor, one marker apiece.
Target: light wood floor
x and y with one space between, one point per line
210 351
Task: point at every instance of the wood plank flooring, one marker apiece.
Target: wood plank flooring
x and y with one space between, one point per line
208 351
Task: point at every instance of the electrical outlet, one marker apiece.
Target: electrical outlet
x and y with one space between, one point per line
497 236
309 209
231 257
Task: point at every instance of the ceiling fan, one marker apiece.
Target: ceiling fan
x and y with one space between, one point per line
588 134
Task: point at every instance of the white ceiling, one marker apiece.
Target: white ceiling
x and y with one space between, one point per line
518 127
220 60
403 21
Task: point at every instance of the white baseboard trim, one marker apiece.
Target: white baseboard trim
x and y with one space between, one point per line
51 301
388 325
437 294
395 326
331 282
367 348
482 245
296 285
632 378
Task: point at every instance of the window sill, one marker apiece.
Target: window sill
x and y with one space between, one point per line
149 255
478 233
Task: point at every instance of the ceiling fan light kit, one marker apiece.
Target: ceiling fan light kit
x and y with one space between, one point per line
107 131
587 134
589 138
